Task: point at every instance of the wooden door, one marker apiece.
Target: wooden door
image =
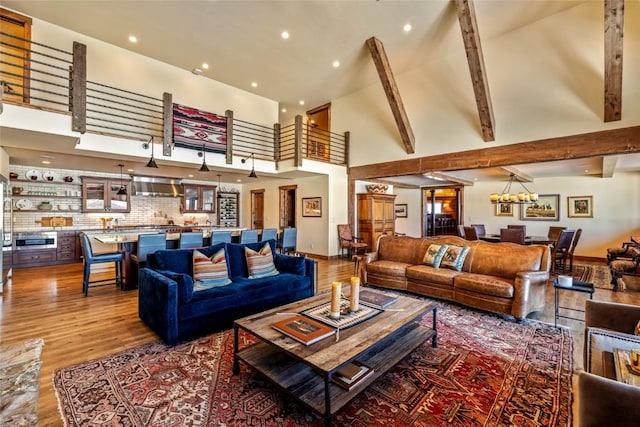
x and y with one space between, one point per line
318 136
287 214
257 209
14 67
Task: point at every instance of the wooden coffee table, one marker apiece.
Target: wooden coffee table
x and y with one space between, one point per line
305 372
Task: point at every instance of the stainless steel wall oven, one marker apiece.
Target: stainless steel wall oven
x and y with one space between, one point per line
35 240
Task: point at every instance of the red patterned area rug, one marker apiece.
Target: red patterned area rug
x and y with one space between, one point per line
486 371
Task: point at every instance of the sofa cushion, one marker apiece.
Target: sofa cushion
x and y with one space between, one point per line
179 260
424 273
260 264
484 284
243 293
237 259
390 268
454 256
434 255
209 272
507 259
290 264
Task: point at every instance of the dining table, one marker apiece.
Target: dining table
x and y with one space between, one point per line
528 240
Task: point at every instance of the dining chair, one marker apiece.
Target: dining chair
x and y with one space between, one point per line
554 232
147 244
480 229
461 230
349 242
561 250
574 243
470 233
248 236
518 227
191 240
220 237
269 234
89 259
288 240
513 235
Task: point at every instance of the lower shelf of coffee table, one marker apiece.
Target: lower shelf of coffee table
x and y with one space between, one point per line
307 385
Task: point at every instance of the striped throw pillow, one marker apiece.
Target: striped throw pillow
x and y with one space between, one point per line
260 264
209 272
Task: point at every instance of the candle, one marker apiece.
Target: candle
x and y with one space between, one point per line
336 295
354 298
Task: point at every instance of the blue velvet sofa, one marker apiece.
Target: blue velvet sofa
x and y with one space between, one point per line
168 303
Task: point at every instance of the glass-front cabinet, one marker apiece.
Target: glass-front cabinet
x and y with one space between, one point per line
101 195
199 198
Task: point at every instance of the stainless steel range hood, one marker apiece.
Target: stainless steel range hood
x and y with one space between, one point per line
157 186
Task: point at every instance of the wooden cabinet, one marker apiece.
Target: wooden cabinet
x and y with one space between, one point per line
34 258
376 216
228 209
67 246
101 195
199 199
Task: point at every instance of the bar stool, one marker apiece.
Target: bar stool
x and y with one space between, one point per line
191 240
248 236
89 258
147 244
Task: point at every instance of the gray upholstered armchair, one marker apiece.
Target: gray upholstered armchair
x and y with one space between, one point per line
601 400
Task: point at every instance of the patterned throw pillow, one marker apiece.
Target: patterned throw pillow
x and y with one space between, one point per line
454 256
209 272
260 264
434 255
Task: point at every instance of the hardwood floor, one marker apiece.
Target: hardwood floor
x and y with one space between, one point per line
48 303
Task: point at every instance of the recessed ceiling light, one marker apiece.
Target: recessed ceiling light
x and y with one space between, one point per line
586 171
197 71
284 110
133 39
285 35
190 175
238 180
130 170
254 84
407 28
46 162
336 64
302 102
205 65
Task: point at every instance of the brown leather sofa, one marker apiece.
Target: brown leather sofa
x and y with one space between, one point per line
499 277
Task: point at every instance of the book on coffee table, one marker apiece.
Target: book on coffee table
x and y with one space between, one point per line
376 299
351 375
624 372
303 329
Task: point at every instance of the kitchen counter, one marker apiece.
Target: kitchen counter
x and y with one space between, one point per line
137 229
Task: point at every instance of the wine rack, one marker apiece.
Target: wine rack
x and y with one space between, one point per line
228 209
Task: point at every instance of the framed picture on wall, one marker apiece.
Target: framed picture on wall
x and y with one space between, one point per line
312 206
580 206
401 210
546 208
504 209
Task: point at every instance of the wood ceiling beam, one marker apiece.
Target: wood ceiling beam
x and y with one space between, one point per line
602 143
613 35
452 178
522 177
393 94
471 37
609 166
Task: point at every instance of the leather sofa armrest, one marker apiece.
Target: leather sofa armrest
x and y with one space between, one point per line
528 287
611 315
605 402
370 257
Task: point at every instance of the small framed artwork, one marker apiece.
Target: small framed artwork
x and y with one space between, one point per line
401 210
504 209
312 206
580 206
546 208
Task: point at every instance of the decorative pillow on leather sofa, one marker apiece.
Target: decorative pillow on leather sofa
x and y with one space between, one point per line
434 255
454 256
260 264
209 272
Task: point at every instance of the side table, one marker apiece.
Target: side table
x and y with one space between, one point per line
577 286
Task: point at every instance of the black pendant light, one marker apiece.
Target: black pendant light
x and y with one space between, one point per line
252 174
219 195
152 161
204 167
123 190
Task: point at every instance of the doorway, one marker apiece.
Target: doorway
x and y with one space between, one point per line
442 210
287 206
318 136
257 209
14 71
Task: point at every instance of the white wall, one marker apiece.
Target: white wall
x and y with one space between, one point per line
412 224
